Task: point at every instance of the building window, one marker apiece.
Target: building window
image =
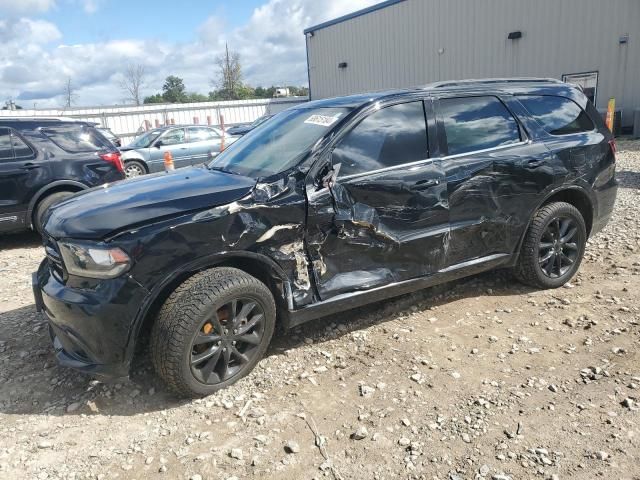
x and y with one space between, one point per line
587 81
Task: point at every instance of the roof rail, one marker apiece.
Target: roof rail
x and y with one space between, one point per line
491 81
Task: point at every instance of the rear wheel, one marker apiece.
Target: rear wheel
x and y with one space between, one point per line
553 247
212 331
44 205
133 168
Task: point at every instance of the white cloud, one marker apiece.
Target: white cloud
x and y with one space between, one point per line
271 45
26 6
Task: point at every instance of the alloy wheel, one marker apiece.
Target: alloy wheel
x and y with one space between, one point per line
133 170
558 249
227 341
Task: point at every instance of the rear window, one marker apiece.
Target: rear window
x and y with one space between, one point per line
477 123
77 138
557 115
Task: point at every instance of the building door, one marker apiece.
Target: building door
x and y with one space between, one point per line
587 81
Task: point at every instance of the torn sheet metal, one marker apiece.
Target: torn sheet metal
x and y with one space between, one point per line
379 229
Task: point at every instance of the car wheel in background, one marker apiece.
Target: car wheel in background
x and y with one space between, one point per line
133 168
212 330
44 205
553 247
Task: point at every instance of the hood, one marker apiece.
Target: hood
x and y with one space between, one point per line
95 213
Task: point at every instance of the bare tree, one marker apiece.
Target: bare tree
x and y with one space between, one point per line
70 95
230 74
133 81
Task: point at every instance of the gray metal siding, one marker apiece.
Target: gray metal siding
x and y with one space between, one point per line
397 46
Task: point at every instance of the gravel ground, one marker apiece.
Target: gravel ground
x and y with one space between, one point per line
480 378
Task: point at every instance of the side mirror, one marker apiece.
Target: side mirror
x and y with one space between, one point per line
158 144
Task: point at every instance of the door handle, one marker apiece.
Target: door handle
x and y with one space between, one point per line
425 184
534 163
30 166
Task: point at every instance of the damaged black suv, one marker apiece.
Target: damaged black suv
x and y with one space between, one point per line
327 206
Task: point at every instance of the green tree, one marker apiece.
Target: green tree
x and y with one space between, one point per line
157 98
196 97
173 90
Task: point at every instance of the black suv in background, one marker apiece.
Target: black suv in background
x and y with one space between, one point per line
45 160
328 206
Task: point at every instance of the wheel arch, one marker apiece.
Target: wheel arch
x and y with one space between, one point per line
139 160
53 187
572 194
261 267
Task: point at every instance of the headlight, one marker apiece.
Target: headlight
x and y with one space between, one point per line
94 260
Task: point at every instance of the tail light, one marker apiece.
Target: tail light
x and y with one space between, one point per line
115 158
614 149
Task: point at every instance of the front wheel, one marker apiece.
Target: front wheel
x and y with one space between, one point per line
553 247
212 331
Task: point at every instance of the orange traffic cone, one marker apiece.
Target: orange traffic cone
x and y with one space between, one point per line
168 162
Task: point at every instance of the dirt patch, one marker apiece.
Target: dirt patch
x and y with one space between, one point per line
480 378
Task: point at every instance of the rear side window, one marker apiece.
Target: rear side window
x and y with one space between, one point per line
12 146
201 134
557 115
392 136
76 138
20 148
477 123
6 151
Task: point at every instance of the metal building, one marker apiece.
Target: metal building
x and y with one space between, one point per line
403 43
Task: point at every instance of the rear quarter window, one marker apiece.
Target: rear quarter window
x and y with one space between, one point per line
557 115
76 138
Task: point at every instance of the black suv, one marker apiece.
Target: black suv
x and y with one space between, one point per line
45 160
328 206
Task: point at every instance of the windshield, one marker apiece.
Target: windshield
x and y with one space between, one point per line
261 120
279 144
146 139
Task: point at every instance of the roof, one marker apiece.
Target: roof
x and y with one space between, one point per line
359 13
505 85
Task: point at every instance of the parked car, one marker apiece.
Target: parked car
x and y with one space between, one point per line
189 145
331 205
243 129
112 137
45 160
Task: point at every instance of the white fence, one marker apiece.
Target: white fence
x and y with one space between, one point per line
127 122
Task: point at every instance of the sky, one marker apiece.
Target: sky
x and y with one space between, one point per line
43 43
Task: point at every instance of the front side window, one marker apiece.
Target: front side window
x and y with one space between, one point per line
391 136
173 137
6 151
557 115
76 138
201 134
477 123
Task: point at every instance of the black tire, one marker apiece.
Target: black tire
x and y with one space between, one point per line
196 304
134 168
547 259
44 205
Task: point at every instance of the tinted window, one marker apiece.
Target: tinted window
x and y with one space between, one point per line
201 134
76 138
279 144
392 136
557 115
477 123
6 152
173 137
20 148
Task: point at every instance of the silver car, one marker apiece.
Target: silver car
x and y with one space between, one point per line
189 145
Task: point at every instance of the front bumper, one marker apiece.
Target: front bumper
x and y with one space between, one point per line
92 323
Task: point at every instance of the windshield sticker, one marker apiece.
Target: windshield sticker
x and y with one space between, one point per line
321 120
